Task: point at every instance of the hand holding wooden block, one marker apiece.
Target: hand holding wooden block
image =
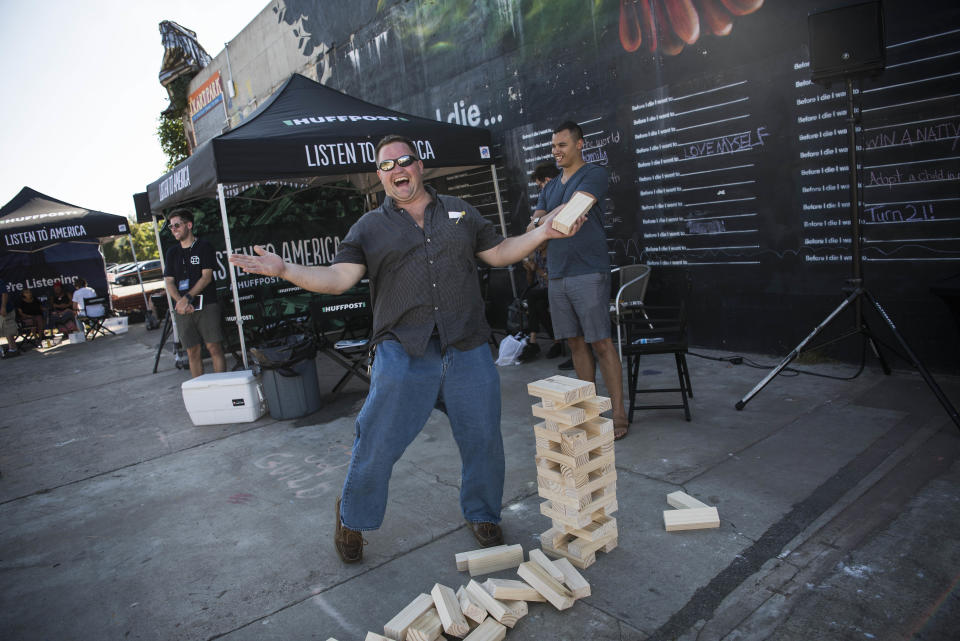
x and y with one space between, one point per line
578 205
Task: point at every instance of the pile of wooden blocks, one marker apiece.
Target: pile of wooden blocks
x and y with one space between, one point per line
483 612
575 469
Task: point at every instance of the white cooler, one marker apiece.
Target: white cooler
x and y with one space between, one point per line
227 397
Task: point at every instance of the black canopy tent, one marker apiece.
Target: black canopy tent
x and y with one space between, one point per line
32 222
309 134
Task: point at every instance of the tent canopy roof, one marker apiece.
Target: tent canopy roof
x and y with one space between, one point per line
32 221
308 133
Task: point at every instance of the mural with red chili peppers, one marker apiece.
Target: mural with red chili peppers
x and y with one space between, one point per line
669 25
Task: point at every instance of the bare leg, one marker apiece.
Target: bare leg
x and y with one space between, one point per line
612 372
216 355
583 362
195 354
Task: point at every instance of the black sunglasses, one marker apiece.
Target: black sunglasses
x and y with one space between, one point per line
403 161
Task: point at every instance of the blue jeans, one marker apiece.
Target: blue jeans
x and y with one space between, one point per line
403 391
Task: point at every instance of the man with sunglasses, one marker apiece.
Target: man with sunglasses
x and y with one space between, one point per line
419 249
188 275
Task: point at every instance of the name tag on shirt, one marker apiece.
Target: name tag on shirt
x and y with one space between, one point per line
184 285
456 214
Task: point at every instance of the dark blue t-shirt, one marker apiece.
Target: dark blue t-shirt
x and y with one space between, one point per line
586 251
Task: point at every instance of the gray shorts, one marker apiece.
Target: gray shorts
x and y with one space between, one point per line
200 327
580 306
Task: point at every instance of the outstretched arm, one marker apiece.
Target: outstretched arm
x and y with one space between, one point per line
513 249
333 279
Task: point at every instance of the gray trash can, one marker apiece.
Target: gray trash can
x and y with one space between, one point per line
289 376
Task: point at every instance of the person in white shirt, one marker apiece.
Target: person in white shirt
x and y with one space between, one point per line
82 293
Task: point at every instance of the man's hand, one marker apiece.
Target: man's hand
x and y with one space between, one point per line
553 233
266 263
183 306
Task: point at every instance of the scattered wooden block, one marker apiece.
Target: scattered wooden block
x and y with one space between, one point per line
373 636
684 501
486 560
426 627
489 630
470 609
573 579
511 590
541 559
578 205
554 591
396 628
448 608
698 518
497 609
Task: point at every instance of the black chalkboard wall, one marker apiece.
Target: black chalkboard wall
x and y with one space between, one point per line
728 166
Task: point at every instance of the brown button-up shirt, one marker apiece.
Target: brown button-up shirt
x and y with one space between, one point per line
423 279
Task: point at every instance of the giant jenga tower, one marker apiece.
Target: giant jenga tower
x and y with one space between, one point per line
575 469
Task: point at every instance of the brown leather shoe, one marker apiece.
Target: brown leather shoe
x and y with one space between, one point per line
349 543
487 534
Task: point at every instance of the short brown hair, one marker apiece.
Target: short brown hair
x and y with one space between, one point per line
568 125
386 140
183 214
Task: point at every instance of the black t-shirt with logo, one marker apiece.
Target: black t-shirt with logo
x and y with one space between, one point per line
186 264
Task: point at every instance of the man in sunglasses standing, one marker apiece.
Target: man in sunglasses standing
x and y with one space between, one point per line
188 276
419 250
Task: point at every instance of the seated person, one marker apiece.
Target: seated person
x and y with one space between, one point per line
79 297
538 304
29 309
8 322
61 309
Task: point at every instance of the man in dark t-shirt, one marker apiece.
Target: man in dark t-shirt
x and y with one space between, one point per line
419 250
188 275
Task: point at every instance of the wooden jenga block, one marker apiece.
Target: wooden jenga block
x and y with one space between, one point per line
554 537
396 628
373 636
699 518
581 548
578 499
561 390
577 466
497 609
489 630
602 527
486 560
573 579
426 627
541 559
569 416
510 590
469 607
684 501
578 205
555 592
595 405
577 518
448 608
561 551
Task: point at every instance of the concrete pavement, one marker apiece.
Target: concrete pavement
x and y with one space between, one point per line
119 519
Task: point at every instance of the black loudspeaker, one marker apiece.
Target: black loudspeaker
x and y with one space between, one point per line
141 204
847 41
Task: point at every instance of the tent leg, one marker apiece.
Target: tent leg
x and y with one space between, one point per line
503 223
233 274
146 305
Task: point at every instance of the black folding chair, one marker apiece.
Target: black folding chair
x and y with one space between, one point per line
343 325
656 330
94 318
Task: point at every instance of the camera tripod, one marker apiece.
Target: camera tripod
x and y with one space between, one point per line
857 293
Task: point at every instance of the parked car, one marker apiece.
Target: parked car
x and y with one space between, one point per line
149 270
118 268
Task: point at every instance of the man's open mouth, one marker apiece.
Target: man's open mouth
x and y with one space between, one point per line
400 181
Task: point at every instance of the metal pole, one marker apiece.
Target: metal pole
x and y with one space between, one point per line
140 278
163 266
503 224
233 274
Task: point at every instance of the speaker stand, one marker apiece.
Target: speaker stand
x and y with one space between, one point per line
858 292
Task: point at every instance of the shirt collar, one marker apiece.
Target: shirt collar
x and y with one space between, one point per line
390 206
